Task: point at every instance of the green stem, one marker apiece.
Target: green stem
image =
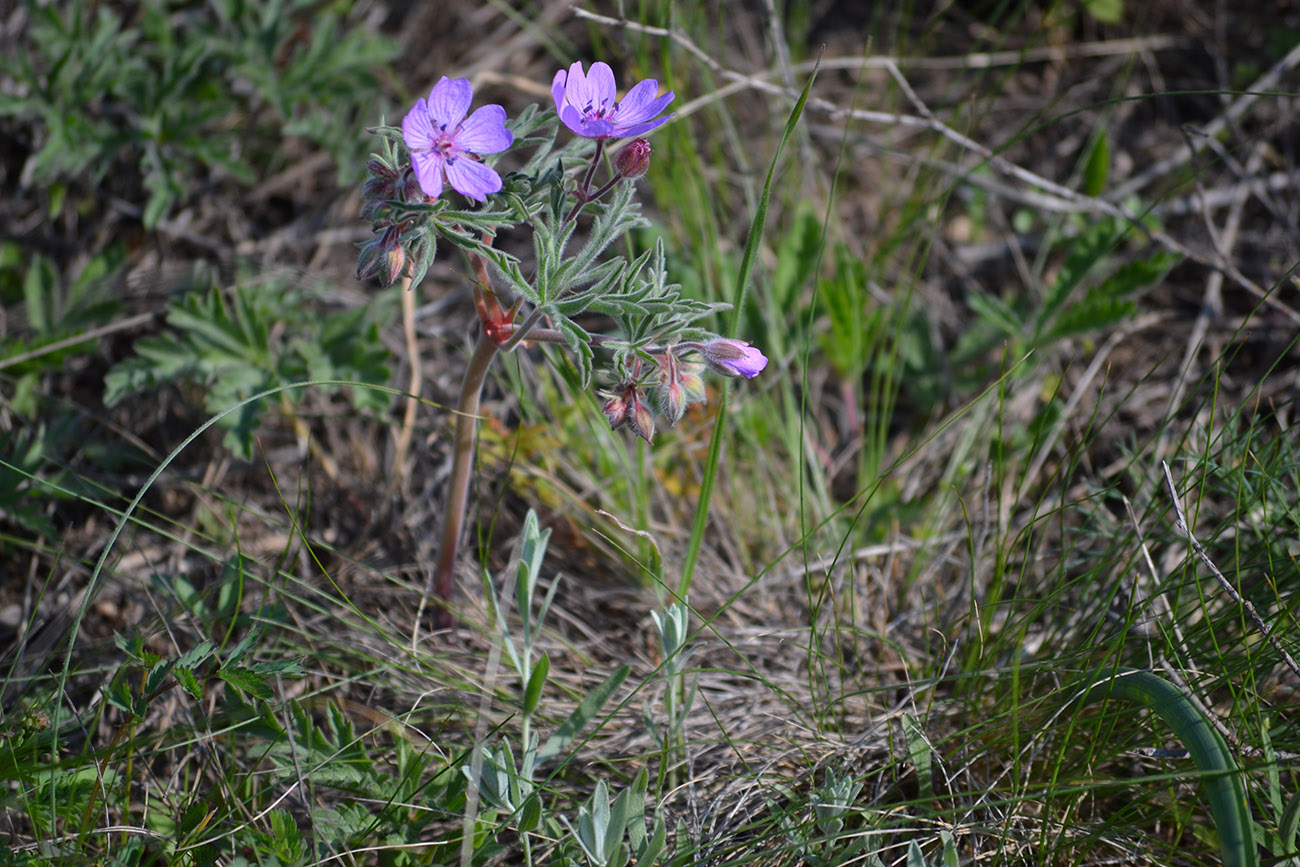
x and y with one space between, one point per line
1229 805
742 288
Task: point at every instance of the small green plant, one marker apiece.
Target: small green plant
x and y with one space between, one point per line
224 346
673 625
207 92
510 788
1073 305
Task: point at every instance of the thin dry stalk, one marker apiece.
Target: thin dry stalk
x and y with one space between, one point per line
406 431
1184 527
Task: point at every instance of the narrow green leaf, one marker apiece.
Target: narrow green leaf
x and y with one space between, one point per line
583 714
752 244
1096 169
533 692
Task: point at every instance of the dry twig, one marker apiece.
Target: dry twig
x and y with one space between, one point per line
1204 557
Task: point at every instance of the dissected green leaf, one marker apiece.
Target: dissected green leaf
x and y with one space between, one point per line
189 682
246 681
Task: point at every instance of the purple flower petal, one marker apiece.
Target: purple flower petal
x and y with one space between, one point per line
484 132
572 119
643 128
428 169
634 114
601 91
575 86
558 88
417 129
632 107
449 100
471 178
733 358
752 364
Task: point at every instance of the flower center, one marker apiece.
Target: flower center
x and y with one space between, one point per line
606 110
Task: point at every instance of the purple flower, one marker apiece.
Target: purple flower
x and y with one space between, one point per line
588 103
443 141
733 358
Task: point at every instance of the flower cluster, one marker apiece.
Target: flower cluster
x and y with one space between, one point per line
446 145
674 381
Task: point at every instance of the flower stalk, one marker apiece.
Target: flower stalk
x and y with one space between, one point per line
462 466
655 349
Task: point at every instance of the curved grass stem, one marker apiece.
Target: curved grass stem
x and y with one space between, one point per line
1222 778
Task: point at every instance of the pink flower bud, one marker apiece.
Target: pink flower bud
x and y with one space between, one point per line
672 400
628 407
382 257
692 382
642 420
395 263
679 385
733 358
615 410
633 160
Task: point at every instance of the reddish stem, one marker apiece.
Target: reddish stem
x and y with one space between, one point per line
462 465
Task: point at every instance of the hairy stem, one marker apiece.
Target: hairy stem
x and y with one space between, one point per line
462 465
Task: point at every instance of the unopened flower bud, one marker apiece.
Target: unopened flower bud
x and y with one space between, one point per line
410 188
380 169
641 421
615 410
382 257
377 190
395 262
689 376
672 400
633 160
628 407
733 358
679 384
370 258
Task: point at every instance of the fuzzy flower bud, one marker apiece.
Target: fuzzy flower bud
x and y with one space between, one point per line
642 422
380 187
627 407
615 410
679 385
370 258
409 185
394 263
634 159
733 358
382 257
